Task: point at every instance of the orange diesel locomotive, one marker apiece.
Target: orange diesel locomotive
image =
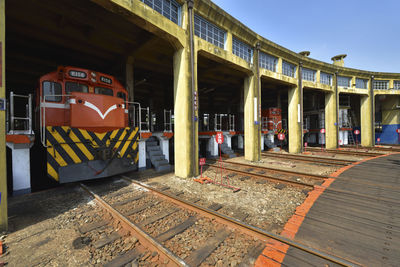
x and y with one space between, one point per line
84 125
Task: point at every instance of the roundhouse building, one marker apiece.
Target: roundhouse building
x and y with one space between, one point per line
193 58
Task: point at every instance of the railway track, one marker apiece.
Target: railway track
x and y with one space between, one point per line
171 231
392 148
294 178
291 177
313 159
347 152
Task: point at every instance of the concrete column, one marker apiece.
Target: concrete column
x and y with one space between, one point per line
142 154
251 130
129 77
295 134
367 128
228 42
184 148
330 120
240 142
279 66
3 164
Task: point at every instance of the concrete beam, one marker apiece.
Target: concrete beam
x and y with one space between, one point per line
294 118
331 121
3 164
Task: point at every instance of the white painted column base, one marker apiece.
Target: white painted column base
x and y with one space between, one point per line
240 142
228 140
21 167
164 144
262 142
142 154
212 146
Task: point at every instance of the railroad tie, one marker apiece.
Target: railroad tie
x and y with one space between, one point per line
164 188
157 217
123 202
215 207
123 259
106 240
176 230
199 255
141 208
90 227
244 178
252 255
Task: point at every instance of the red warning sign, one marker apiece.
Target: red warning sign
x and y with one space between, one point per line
398 131
202 161
356 132
322 130
219 137
281 136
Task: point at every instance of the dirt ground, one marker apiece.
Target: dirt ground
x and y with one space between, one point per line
43 226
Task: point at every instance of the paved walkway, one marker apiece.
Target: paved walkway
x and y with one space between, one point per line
357 217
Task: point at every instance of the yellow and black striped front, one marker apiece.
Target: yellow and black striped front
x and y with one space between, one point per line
68 146
284 131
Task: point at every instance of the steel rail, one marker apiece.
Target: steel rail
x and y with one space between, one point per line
309 159
244 227
378 148
263 176
347 152
145 239
308 175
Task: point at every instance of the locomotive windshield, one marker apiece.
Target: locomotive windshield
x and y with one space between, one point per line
52 91
75 87
103 91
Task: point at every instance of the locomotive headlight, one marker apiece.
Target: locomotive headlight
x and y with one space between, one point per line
94 80
123 105
93 74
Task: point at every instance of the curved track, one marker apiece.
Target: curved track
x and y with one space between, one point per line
124 205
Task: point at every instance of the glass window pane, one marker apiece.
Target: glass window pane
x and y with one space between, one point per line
50 90
168 8
103 91
209 32
75 87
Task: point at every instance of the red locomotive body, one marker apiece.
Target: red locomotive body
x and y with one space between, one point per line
84 125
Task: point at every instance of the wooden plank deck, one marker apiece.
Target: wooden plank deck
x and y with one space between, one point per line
363 228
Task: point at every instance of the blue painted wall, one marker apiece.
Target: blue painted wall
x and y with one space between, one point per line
388 134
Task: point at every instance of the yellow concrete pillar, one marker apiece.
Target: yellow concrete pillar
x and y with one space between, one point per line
183 137
251 129
3 165
228 42
294 118
331 120
367 127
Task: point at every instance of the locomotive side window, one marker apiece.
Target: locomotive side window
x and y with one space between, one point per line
121 95
75 87
52 91
103 91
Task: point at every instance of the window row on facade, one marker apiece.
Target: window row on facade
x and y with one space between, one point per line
217 36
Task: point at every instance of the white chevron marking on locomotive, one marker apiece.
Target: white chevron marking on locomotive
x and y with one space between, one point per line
90 105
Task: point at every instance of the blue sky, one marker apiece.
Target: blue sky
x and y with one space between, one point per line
368 31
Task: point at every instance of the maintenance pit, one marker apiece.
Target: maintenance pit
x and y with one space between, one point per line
86 35
221 106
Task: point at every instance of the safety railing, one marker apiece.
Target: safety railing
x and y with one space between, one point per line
168 121
218 121
19 124
231 122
